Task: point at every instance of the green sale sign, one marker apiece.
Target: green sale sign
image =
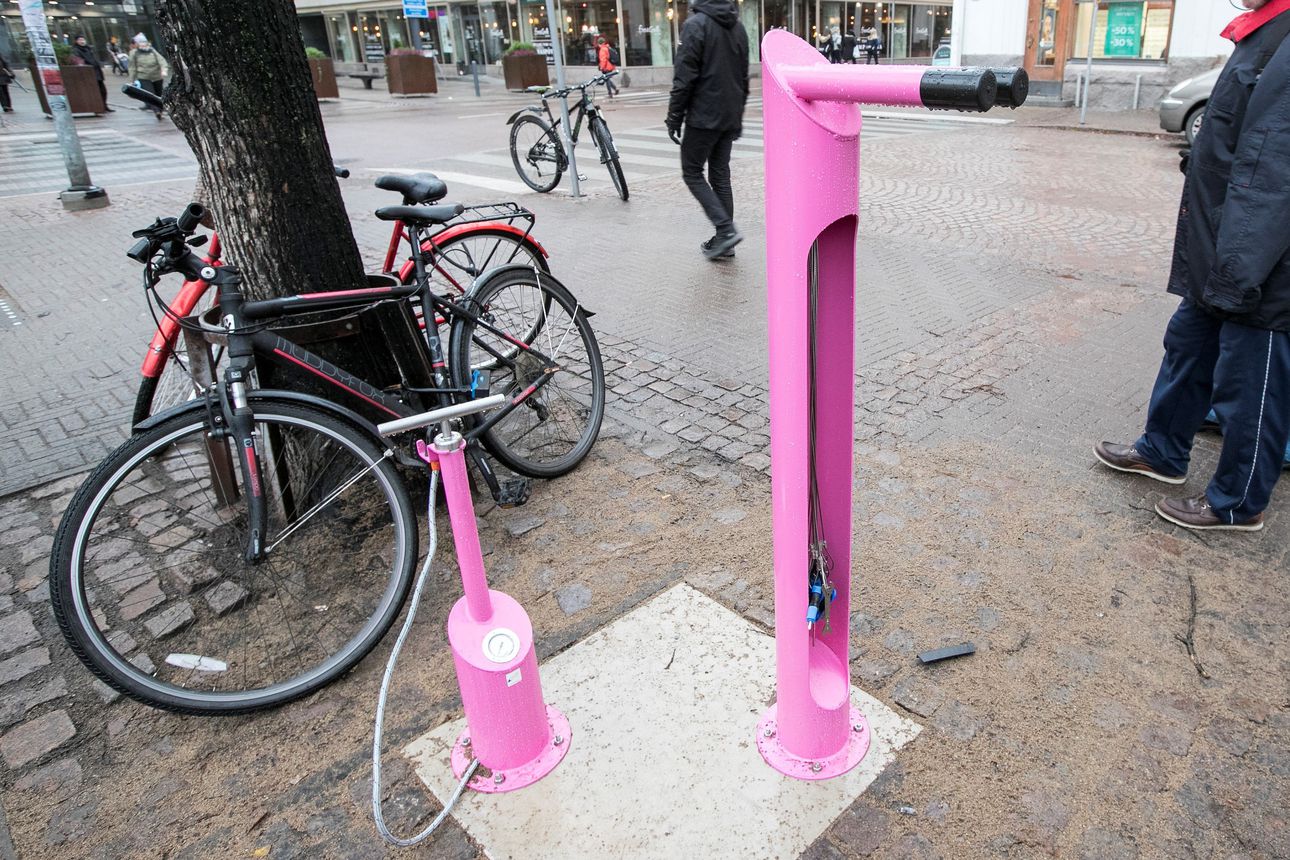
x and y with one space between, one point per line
1123 30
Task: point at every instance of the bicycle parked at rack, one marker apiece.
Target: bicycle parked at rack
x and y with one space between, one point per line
460 250
248 548
537 149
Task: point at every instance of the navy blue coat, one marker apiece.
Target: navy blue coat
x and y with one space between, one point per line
1232 248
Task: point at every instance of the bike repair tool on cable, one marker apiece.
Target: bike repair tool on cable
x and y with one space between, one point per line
512 738
812 128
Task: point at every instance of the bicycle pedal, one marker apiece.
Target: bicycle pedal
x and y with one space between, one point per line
513 493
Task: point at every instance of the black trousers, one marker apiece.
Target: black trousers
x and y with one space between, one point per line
154 87
710 147
5 103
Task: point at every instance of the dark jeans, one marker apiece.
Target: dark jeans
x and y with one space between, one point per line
611 87
702 146
1244 373
871 56
5 103
154 87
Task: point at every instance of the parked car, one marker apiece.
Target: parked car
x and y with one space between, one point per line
1183 109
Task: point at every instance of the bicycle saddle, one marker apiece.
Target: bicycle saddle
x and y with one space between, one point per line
422 216
417 188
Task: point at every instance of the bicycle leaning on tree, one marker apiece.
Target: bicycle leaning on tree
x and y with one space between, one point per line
251 546
537 148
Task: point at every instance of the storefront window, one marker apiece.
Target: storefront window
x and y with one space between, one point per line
584 21
1125 31
313 32
497 22
749 17
647 29
340 36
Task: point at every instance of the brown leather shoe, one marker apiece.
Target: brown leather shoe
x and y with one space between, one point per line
1195 513
1125 458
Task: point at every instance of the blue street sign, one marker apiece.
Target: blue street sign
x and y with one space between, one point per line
416 9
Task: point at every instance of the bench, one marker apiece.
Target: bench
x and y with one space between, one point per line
365 77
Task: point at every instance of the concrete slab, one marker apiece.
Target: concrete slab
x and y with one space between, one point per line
664 704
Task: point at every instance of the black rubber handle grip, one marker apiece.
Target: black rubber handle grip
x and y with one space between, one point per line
192 216
958 89
1014 86
342 172
140 94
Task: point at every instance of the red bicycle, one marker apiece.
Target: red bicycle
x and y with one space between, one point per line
476 239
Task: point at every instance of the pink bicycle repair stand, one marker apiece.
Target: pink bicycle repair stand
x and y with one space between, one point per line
812 129
510 728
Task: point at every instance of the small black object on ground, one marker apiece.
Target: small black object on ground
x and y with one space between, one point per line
947 652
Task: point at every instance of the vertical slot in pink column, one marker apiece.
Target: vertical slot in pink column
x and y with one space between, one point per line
812 128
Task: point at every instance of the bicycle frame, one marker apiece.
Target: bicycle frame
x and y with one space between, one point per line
585 107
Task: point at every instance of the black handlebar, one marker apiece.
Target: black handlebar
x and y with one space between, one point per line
974 89
190 218
1014 86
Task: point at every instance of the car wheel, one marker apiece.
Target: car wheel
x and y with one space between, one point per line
1191 125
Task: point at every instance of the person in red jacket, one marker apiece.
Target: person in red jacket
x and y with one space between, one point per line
605 62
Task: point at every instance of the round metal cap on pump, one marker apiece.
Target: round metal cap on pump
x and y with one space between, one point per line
501 645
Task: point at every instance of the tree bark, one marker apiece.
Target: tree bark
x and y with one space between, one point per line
241 92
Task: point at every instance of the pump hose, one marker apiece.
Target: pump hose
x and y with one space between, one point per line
385 689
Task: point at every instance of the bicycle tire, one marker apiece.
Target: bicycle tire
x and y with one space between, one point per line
458 261
540 144
571 405
609 155
151 591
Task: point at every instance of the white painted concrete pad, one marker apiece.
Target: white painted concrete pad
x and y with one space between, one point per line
663 704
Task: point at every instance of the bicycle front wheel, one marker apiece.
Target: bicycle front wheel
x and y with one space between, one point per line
537 153
554 427
609 155
149 582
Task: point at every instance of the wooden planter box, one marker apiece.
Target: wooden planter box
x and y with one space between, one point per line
324 74
82 89
522 72
410 75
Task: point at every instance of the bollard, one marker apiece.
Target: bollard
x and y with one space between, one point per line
509 727
811 134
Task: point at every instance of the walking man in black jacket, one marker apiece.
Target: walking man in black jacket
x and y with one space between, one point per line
709 91
1229 341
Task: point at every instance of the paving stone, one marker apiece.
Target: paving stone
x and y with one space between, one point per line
1098 843
637 469
705 471
522 524
1168 738
170 620
901 641
958 720
729 516
142 599
21 535
31 740
862 829
658 450
225 597
16 631
913 846
71 822
15 704
107 695
1230 736
55 780
756 460
573 598
988 618
888 521
822 849
875 672
144 663
918 696
1045 811
23 664
1184 710
936 811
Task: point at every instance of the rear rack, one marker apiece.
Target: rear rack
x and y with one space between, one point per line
508 212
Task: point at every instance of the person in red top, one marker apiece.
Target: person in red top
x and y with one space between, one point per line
606 64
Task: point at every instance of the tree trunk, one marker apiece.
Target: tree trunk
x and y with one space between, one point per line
241 92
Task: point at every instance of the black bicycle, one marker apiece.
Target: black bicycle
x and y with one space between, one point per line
250 546
536 146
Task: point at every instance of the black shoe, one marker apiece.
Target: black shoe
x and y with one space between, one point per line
109 109
1125 458
722 244
707 246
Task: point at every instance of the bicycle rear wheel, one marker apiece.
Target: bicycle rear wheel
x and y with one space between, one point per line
537 153
455 263
609 155
555 427
151 589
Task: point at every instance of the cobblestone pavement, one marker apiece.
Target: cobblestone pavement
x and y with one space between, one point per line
1009 314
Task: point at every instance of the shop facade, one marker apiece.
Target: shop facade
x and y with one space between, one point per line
1139 49
96 20
646 32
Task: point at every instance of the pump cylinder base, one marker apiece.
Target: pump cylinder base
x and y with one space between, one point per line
523 775
842 761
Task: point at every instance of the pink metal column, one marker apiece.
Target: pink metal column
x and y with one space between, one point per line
510 729
812 128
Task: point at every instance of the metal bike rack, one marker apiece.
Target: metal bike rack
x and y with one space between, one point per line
812 128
